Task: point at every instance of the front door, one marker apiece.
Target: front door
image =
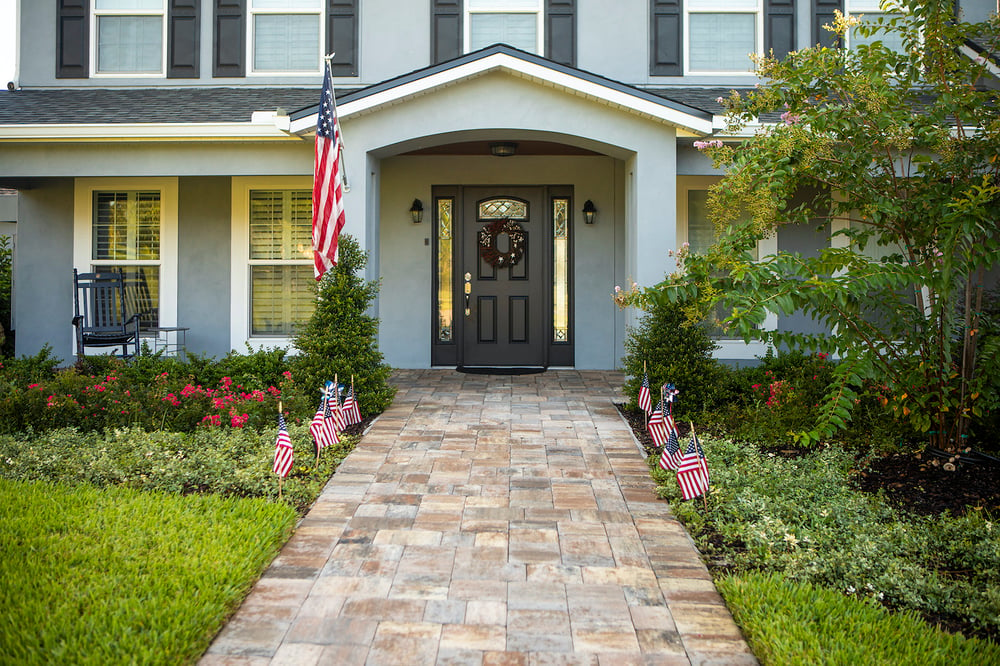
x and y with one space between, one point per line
504 278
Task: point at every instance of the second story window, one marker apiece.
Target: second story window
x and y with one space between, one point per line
721 35
285 35
869 11
129 36
517 23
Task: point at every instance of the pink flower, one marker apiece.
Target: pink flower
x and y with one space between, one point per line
703 145
212 420
237 420
720 100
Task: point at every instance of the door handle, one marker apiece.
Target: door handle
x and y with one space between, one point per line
468 290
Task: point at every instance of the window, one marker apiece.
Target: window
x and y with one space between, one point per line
517 23
130 36
869 12
130 225
285 35
272 260
721 35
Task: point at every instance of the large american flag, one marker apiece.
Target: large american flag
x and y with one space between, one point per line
692 475
645 403
670 458
351 411
322 429
328 182
283 454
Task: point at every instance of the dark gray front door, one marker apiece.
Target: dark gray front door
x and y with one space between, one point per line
503 303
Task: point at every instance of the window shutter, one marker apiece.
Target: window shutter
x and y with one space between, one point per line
779 27
560 31
73 39
666 43
183 39
230 38
446 30
342 36
823 15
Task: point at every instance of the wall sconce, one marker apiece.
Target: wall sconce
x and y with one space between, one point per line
589 211
503 148
417 211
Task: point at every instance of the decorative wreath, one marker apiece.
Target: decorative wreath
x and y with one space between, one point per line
488 243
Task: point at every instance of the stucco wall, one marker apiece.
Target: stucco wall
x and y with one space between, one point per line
43 269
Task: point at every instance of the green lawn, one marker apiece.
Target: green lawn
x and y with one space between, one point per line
114 575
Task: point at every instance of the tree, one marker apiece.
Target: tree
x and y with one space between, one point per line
896 150
341 338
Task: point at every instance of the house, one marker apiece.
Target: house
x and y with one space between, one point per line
174 139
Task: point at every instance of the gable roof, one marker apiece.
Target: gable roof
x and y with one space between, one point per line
503 58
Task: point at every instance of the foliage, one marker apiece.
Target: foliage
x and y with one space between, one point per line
894 150
799 518
788 622
341 338
672 351
225 461
117 576
6 295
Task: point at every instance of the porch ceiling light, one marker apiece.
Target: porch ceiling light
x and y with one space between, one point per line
417 211
503 148
589 211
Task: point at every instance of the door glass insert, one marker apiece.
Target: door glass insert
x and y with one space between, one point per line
445 209
493 209
560 270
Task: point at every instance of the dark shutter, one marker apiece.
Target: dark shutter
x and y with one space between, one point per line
823 15
183 39
73 39
342 36
446 30
230 38
560 31
779 27
666 43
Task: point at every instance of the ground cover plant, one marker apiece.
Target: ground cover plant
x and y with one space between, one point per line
116 575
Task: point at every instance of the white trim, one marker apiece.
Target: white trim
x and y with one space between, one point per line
239 332
518 67
723 8
270 130
95 13
970 53
83 212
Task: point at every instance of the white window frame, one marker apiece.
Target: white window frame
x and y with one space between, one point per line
240 262
96 14
755 7
501 7
253 13
865 10
732 348
83 234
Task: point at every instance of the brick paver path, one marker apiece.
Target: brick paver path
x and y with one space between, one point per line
488 520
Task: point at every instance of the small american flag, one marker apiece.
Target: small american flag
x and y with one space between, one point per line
669 394
283 454
334 415
692 475
322 429
328 182
352 412
670 458
645 403
657 426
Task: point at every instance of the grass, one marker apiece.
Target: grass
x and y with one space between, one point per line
116 575
797 623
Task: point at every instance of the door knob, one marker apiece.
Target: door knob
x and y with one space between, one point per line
468 290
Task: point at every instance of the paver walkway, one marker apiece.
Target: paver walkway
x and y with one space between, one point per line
488 520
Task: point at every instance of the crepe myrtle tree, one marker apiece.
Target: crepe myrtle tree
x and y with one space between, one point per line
896 151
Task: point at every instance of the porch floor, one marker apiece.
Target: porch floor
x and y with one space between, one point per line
488 519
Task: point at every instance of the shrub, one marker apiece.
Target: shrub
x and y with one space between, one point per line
341 337
674 351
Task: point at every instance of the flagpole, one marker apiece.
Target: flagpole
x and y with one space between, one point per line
322 405
645 414
339 129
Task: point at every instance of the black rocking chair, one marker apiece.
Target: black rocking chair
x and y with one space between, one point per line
101 318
